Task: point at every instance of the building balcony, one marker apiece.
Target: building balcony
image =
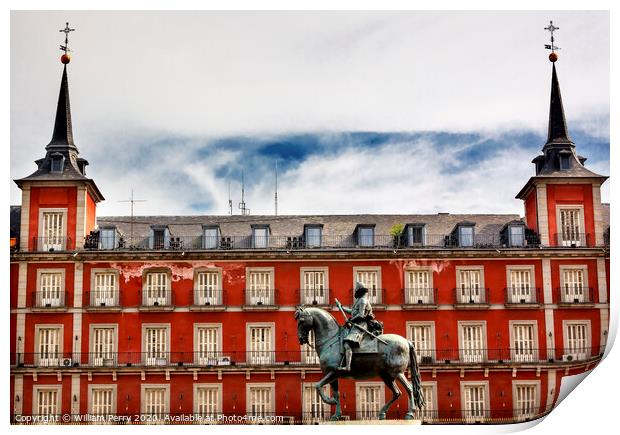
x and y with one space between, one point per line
52 244
522 297
49 300
318 297
471 298
102 300
419 298
156 300
183 243
260 299
304 357
574 240
575 296
208 300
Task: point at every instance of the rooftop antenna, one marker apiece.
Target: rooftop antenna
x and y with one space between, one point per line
132 201
244 210
229 200
276 191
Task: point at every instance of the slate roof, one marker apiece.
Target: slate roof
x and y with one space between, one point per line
237 225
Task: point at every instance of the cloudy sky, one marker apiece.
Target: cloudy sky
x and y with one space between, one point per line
401 112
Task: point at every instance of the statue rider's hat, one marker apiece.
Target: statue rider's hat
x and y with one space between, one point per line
360 290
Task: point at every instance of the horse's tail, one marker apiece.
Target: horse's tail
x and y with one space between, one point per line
416 381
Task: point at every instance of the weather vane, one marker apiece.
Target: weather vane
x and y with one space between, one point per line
553 56
66 58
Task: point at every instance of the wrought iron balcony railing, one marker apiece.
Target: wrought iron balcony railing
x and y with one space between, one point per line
522 296
575 294
156 299
102 299
314 296
471 296
49 299
260 297
208 298
420 296
52 243
574 240
258 358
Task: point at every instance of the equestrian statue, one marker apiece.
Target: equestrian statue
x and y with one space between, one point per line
359 350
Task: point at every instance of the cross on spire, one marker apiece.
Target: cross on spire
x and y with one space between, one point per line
551 28
66 31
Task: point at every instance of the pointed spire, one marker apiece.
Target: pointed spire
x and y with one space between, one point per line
63 131
558 131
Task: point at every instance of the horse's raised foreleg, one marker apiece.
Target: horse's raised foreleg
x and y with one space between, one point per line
391 384
319 387
336 397
405 383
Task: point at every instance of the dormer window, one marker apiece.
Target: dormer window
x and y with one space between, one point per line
516 234
211 234
107 237
260 236
313 235
415 234
466 235
564 161
366 235
58 161
160 237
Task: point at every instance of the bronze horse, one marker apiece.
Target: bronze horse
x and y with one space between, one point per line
394 355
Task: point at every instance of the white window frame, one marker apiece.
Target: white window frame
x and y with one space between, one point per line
219 294
156 361
35 397
510 236
428 295
39 296
324 409
209 359
92 387
263 240
377 297
260 296
94 302
61 332
248 397
467 355
462 236
42 244
582 228
148 300
514 296
516 357
515 385
358 402
428 413
586 287
218 237
143 388
423 352
480 298
465 411
219 405
306 299
308 353
91 344
409 235
588 348
261 356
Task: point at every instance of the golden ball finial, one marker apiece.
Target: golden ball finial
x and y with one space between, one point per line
553 57
65 58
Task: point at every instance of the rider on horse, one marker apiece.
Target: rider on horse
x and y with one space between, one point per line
361 314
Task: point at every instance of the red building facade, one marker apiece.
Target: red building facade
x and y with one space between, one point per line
157 318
